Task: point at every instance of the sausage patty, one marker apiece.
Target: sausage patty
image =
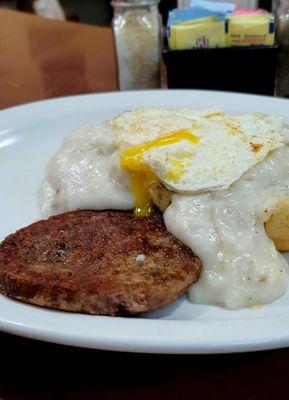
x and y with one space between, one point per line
97 262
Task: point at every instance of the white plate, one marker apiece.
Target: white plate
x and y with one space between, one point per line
29 135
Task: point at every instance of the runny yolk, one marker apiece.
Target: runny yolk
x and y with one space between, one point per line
141 174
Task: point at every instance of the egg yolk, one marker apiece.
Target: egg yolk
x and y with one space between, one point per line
142 177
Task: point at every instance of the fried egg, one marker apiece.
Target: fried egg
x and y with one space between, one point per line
192 151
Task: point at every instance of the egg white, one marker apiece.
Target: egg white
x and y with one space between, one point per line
228 145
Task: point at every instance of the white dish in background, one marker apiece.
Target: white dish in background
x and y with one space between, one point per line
29 135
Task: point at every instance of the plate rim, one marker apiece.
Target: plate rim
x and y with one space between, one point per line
146 91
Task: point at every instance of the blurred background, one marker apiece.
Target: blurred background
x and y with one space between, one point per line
99 12
248 53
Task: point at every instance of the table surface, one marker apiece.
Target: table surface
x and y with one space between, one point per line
41 59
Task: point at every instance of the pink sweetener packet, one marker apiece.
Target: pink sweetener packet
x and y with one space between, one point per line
241 11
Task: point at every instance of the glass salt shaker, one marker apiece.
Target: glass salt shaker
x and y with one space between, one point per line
138 39
282 38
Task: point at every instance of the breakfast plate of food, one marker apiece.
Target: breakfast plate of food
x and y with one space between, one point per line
154 221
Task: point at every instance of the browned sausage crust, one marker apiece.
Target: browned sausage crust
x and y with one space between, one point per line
98 262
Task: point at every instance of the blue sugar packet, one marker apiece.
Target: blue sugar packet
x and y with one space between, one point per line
213 6
188 14
200 9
